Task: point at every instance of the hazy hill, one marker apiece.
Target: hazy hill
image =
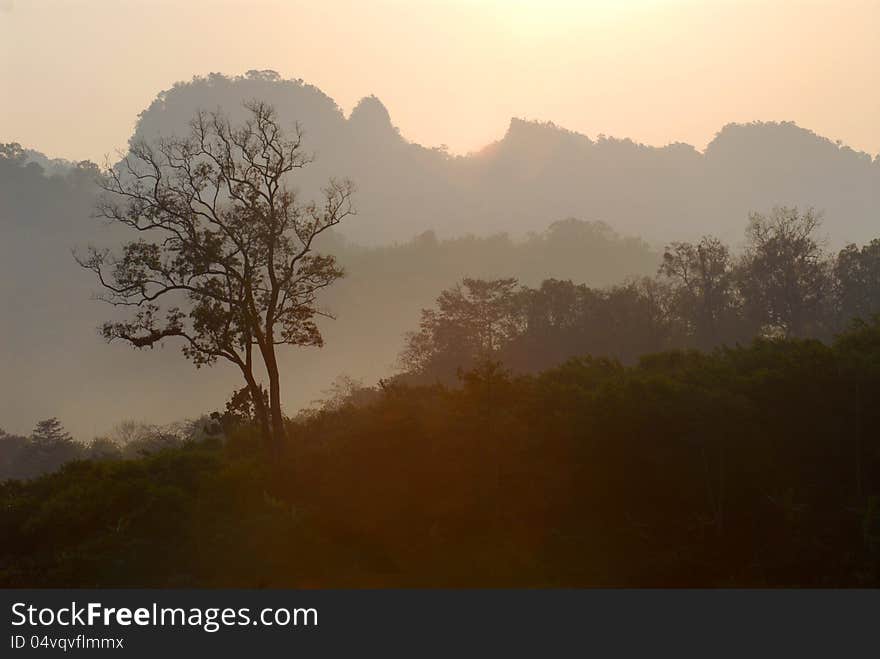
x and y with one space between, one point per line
55 365
539 171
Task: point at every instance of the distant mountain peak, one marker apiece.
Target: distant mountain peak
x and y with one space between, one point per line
529 134
520 126
371 114
773 136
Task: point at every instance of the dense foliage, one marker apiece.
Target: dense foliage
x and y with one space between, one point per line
630 430
749 466
783 284
49 446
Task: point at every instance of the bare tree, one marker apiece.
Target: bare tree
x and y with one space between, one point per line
225 258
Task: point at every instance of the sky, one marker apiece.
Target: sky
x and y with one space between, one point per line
74 74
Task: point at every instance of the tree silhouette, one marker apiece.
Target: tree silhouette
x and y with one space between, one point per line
50 432
702 276
472 322
857 275
785 279
226 260
50 447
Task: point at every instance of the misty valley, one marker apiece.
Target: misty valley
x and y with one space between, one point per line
327 356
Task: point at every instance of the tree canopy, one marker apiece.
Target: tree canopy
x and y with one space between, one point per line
226 260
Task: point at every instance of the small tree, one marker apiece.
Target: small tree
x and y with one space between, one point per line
225 261
704 296
472 322
50 447
240 410
857 275
50 432
785 274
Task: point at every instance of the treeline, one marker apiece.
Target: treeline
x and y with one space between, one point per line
782 284
42 194
745 466
539 171
49 328
49 446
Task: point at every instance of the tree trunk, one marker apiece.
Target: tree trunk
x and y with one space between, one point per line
260 410
277 419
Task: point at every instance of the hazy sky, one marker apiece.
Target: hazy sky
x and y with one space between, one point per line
75 73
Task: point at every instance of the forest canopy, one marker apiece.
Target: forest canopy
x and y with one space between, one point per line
748 466
556 361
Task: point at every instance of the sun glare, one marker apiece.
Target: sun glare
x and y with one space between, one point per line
540 20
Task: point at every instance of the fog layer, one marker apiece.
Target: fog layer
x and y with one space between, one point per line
56 365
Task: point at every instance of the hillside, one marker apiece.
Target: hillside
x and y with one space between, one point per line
57 365
425 220
755 466
539 171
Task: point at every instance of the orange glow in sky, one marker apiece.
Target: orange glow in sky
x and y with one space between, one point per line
75 74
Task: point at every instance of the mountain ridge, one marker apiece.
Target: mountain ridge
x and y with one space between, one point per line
535 175
539 171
